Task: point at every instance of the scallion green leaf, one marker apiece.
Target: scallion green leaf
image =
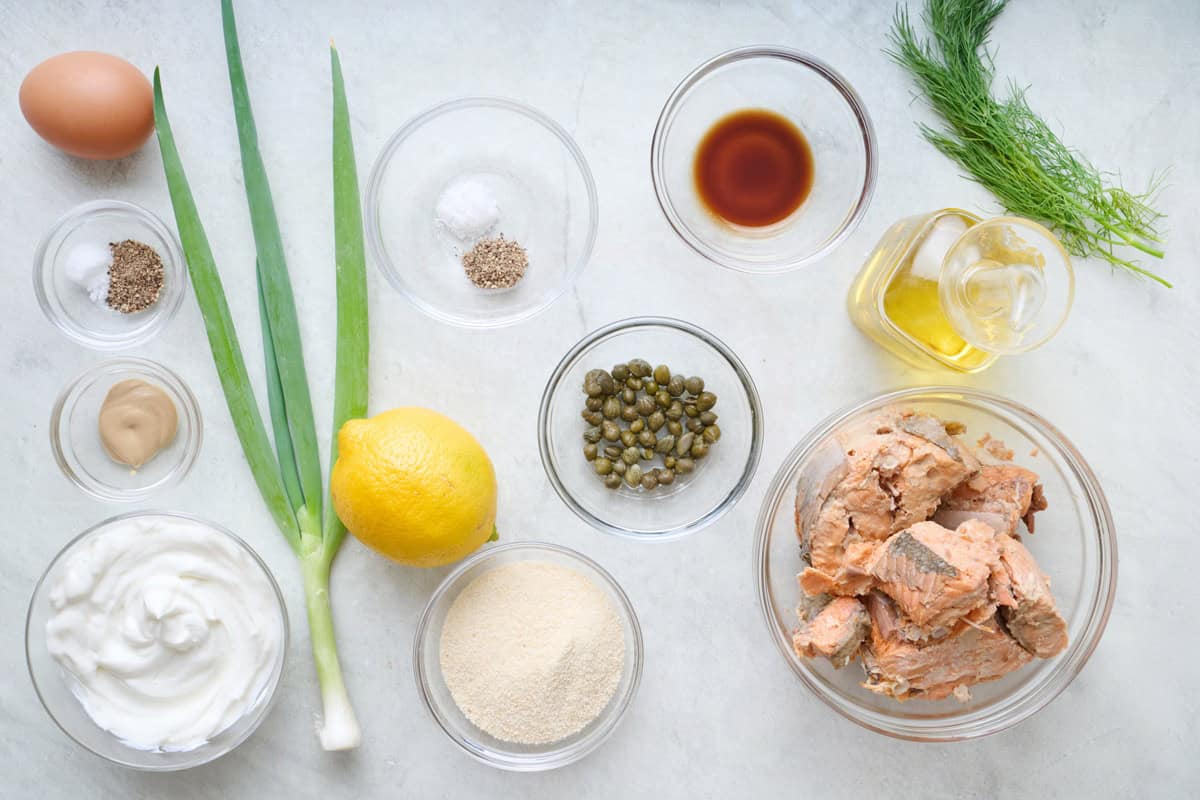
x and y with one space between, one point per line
222 337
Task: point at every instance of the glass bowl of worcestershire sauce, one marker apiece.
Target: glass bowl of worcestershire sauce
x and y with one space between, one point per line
764 159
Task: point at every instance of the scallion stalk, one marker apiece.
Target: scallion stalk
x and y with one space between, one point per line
289 475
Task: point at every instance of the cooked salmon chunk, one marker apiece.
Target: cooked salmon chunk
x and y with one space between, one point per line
895 473
836 632
937 576
902 669
1001 495
1028 608
914 563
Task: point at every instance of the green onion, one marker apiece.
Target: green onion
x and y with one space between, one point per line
288 476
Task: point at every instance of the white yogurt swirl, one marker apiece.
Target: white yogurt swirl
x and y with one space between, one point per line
169 630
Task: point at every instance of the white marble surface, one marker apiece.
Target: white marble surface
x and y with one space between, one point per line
719 714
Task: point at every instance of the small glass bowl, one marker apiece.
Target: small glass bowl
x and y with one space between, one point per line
50 682
69 307
1075 545
693 501
545 193
826 109
440 703
75 433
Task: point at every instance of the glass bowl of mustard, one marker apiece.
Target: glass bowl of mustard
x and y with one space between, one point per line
125 429
764 159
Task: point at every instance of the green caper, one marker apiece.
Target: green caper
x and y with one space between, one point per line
602 466
656 420
638 425
649 481
593 417
645 405
607 384
650 386
675 386
691 410
669 462
684 444
631 455
633 384
639 368
618 466
684 465
699 449
711 434
592 435
633 476
647 454
589 451
610 430
694 385
705 401
593 388
612 480
591 377
628 396
694 425
611 408
612 451
666 477
628 438
594 403
663 399
708 417
629 413
665 445
646 438
675 427
675 410
662 374
620 372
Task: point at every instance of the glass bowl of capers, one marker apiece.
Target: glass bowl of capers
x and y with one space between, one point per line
650 427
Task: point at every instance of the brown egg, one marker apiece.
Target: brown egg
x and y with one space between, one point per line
88 104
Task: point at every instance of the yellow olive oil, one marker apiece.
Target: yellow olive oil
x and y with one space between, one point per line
900 308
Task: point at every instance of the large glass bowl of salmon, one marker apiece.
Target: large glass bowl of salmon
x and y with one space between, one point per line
1074 544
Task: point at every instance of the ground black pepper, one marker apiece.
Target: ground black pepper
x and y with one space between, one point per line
135 277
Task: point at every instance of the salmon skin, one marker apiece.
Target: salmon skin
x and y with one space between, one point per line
914 564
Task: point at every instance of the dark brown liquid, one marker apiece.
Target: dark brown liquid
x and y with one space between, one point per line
753 168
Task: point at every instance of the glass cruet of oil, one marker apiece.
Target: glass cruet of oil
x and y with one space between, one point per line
949 288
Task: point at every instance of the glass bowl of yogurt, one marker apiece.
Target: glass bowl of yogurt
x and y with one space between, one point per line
156 640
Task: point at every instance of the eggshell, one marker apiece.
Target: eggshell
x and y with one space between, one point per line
88 104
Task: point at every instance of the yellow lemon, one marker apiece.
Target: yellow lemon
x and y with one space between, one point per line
415 486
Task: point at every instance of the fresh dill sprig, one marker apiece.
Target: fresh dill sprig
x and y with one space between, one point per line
1009 150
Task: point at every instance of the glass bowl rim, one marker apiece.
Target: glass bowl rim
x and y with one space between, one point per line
752 400
667 116
273 689
374 232
1102 597
556 757
191 447
175 267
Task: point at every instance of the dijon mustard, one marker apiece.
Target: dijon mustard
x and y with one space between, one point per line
137 420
